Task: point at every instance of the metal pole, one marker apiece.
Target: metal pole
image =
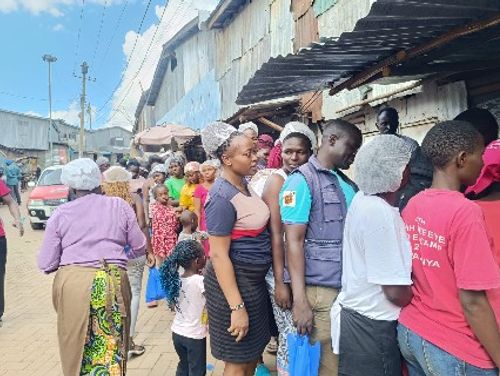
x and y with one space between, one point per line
85 70
50 59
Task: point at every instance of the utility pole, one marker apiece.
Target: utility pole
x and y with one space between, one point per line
50 59
89 111
85 70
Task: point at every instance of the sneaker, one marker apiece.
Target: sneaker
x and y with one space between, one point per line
135 350
272 346
262 370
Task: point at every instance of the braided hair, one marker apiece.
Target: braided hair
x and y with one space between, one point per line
184 253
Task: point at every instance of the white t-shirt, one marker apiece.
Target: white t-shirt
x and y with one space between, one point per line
376 252
191 318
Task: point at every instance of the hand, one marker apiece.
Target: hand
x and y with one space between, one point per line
19 226
150 259
239 324
283 295
303 317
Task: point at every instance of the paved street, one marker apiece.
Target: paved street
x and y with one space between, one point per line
28 340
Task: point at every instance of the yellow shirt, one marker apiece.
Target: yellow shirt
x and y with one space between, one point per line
186 197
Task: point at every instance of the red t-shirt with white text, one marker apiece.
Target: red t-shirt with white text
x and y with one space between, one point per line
4 191
451 251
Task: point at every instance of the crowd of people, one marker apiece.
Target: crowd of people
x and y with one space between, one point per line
393 266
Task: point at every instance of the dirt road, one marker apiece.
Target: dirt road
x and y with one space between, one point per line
28 341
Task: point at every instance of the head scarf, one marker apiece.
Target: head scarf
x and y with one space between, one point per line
274 160
174 158
491 169
249 125
214 163
159 168
380 163
192 167
82 174
117 174
265 141
102 161
214 135
298 127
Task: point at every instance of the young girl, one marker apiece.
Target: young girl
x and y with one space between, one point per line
209 172
186 296
192 174
158 176
164 223
175 169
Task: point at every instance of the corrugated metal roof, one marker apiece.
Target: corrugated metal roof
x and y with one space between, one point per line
391 26
224 13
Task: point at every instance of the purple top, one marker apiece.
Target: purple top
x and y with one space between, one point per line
90 229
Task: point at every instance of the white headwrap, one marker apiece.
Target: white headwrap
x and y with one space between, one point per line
174 158
214 135
117 174
102 161
81 174
159 168
380 163
249 125
298 127
210 163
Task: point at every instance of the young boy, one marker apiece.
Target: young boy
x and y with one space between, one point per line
449 328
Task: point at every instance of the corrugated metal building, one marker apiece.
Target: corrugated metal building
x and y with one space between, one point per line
23 135
184 89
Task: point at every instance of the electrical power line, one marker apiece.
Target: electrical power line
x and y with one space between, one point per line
77 46
129 58
115 30
146 55
103 13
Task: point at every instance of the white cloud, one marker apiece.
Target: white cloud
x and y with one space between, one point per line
58 27
71 115
177 14
52 7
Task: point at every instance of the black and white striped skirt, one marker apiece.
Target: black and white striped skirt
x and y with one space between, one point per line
252 286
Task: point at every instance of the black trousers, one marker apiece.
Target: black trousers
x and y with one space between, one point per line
368 347
192 355
3 261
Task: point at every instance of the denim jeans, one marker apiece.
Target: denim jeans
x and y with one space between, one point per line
135 271
14 192
192 355
425 359
3 262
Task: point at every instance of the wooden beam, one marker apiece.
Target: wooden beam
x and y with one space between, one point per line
405 55
270 124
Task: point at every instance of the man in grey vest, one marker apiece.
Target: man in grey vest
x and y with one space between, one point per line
313 203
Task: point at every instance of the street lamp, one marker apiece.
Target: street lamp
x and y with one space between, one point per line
50 59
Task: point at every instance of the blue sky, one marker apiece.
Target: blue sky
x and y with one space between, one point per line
32 28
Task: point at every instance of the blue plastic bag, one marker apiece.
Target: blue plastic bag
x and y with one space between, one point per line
303 358
154 290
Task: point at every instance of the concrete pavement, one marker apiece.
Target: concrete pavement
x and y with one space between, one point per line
28 340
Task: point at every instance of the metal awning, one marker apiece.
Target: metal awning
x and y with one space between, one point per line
399 40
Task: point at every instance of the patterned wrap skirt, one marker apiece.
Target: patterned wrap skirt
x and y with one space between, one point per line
93 319
252 286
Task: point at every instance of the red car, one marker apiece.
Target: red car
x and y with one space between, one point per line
47 195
